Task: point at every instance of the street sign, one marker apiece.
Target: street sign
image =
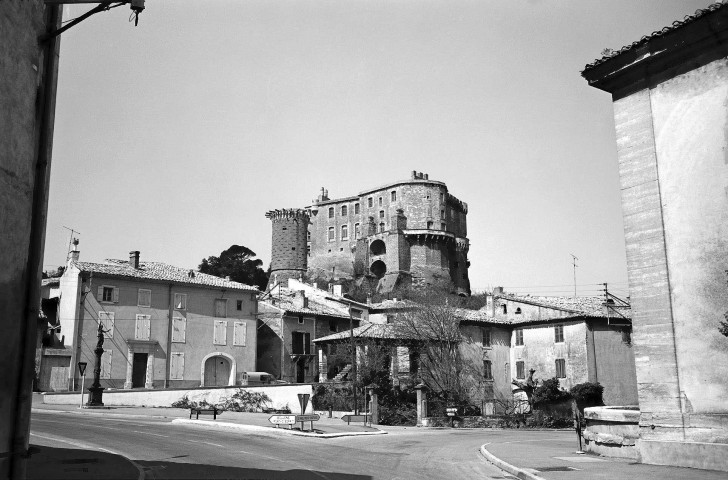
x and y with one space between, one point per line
283 419
451 412
82 368
307 418
303 400
354 418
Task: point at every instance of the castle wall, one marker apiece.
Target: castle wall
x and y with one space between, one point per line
288 256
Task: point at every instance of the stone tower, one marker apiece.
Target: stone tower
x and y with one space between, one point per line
288 255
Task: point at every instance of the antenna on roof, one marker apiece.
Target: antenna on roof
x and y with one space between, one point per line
71 241
575 258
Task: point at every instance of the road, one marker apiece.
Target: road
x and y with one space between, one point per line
166 450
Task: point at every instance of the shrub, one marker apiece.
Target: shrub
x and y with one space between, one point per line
549 392
246 401
587 395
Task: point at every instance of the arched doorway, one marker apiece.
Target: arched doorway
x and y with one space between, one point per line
378 268
378 247
217 371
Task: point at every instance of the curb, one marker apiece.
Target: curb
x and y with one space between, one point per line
507 467
273 431
86 412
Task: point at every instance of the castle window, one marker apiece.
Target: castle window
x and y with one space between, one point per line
429 225
344 211
331 212
560 368
381 227
356 230
442 197
308 236
518 311
394 196
505 308
486 337
345 232
381 213
332 234
443 226
370 202
442 213
356 209
380 201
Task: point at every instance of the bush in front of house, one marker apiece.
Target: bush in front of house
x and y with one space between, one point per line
241 401
549 392
588 394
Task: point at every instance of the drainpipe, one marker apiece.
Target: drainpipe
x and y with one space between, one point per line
168 356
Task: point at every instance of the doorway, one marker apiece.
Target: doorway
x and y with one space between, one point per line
300 372
217 371
139 370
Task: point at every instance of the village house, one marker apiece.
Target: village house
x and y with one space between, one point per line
164 326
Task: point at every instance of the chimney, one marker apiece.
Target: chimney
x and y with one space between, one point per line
301 301
134 258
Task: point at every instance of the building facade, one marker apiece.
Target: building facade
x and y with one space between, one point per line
402 232
164 326
669 93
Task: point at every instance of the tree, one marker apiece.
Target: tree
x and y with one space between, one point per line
238 263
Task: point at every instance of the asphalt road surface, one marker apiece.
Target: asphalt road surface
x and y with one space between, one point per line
165 450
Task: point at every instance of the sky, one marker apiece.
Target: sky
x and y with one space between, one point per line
176 136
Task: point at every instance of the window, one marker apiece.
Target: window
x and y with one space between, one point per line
394 196
331 212
144 298
519 337
380 201
177 366
442 197
381 227
332 234
106 364
443 226
344 211
560 368
179 327
221 307
240 334
356 209
558 333
219 336
357 231
518 311
180 301
332 325
107 323
143 327
429 225
308 235
442 213
301 343
505 308
301 321
520 370
345 232
486 337
108 294
239 305
487 370
381 213
370 202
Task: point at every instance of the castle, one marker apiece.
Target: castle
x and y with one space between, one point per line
407 231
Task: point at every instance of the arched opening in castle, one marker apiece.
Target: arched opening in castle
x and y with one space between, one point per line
410 231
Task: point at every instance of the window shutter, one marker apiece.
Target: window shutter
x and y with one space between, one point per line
307 343
116 294
106 364
100 293
179 325
107 322
143 327
220 332
177 366
239 334
221 307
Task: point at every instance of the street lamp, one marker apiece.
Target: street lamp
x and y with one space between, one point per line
95 398
82 369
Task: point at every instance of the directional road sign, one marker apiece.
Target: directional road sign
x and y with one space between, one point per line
303 400
283 419
354 418
307 418
451 412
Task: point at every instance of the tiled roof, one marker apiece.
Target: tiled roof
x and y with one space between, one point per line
370 330
659 33
160 271
285 300
53 282
392 305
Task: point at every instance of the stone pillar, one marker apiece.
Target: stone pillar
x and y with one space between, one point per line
129 365
421 403
323 364
373 404
149 380
394 366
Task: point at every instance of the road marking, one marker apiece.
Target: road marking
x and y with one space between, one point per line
213 444
150 433
278 459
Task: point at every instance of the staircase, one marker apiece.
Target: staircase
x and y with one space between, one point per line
344 372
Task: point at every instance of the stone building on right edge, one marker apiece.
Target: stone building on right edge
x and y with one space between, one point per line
670 95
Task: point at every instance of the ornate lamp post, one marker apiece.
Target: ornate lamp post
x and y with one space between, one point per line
96 389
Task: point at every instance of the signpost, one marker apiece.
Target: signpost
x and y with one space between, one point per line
451 412
282 420
82 369
303 400
354 418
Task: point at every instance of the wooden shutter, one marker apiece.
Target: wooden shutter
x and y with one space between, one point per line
240 334
179 327
221 307
100 293
107 322
220 332
106 364
307 343
116 295
177 366
143 327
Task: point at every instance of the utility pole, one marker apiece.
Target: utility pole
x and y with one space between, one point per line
574 259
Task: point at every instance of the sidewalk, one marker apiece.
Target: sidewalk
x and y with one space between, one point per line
553 457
